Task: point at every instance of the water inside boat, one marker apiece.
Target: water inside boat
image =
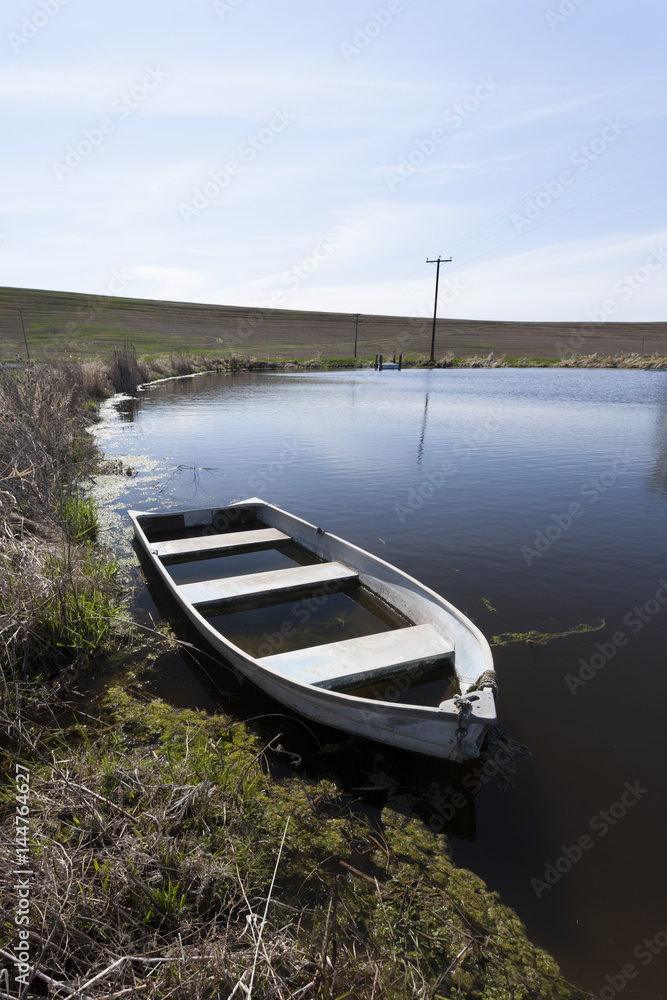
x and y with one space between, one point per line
188 570
273 625
165 528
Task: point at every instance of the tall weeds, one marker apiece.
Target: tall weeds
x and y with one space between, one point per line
126 371
654 362
43 456
56 596
56 600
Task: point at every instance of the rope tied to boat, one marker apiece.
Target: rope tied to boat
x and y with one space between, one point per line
464 708
466 748
487 679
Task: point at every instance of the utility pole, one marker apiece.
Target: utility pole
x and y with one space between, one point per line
439 261
27 351
356 331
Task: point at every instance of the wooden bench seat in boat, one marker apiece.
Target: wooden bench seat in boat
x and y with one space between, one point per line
333 575
209 544
364 660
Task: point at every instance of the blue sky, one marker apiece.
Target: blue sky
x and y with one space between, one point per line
314 154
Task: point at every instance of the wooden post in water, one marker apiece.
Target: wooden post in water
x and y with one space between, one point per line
380 362
400 361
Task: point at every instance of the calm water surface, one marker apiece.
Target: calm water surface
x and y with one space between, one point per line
540 494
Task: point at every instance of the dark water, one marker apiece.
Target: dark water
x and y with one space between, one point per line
540 494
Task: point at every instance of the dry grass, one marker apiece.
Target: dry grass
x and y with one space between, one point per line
57 598
39 440
125 372
59 601
40 421
654 362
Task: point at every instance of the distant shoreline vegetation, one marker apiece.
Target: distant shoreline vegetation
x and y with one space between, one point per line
125 371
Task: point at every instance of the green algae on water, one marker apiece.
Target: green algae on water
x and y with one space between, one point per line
542 638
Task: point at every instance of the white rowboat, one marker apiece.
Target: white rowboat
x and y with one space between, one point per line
327 629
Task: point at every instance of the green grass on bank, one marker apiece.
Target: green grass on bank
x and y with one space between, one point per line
167 860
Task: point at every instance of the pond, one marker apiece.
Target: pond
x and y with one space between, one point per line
535 501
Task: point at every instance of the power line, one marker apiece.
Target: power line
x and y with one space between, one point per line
439 261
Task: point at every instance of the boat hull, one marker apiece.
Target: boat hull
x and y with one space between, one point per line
454 730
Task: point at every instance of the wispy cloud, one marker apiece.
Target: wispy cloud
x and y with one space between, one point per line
325 176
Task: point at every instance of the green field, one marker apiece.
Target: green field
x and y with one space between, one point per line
62 324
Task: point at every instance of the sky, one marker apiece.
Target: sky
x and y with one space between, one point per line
315 154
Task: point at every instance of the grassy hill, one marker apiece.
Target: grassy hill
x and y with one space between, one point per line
68 323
